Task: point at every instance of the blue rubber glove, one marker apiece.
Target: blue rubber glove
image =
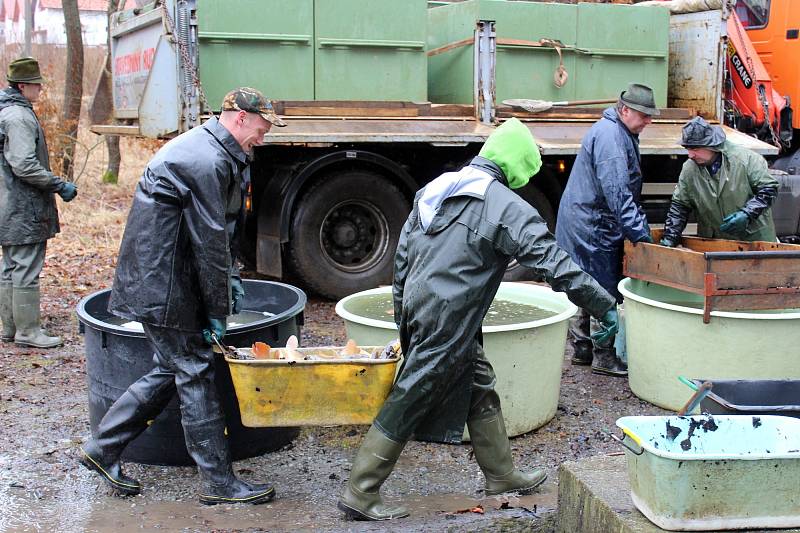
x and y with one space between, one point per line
669 243
647 239
237 294
67 191
735 224
610 323
216 326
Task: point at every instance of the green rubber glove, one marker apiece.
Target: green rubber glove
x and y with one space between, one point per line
217 326
610 323
647 239
237 294
67 191
669 243
735 224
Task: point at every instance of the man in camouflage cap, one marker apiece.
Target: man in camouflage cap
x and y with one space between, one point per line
727 187
177 275
28 214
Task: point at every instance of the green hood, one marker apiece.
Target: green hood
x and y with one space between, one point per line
512 148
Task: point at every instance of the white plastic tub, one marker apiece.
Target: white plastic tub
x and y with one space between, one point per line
526 357
699 473
666 338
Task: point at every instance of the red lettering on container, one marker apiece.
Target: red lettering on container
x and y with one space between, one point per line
147 58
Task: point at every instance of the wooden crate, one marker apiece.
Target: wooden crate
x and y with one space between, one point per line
730 275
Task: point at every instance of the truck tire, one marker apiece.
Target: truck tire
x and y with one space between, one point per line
344 232
535 197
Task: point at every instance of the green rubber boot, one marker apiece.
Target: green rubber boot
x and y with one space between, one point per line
361 499
27 319
6 311
493 453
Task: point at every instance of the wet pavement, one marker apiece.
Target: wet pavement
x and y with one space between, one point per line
44 416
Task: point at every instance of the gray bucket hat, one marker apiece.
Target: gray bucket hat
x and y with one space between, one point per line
640 97
697 133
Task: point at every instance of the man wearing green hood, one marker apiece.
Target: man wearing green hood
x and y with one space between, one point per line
454 248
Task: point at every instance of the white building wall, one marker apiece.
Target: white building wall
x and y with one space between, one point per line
49 28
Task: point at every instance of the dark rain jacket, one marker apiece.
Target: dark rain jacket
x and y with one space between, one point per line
742 182
445 279
600 205
176 256
28 211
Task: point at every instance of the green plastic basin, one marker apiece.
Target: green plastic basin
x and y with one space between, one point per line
526 357
705 473
666 338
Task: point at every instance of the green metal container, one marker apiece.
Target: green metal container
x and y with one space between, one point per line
256 43
314 49
607 46
705 473
370 50
666 338
526 357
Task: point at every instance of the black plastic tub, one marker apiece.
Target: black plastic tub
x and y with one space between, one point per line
752 397
117 356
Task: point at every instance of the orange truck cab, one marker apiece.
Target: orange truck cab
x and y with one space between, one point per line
772 31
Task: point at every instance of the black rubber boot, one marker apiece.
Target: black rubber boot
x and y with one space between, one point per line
208 446
109 469
493 453
582 353
607 363
125 420
375 460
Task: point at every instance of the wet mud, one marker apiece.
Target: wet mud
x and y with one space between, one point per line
44 415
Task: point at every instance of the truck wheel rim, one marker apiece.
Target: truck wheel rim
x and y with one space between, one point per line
354 236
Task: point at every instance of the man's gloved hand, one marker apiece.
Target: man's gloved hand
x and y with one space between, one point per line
67 191
237 294
610 323
217 326
735 224
646 238
669 243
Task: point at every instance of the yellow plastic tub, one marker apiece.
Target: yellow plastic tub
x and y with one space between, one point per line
280 393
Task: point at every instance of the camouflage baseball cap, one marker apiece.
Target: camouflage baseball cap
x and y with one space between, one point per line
252 101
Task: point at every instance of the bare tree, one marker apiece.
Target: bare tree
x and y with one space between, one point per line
73 84
105 95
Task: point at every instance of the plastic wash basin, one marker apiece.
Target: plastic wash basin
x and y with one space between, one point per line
696 473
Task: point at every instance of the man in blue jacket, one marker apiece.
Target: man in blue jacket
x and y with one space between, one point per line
600 209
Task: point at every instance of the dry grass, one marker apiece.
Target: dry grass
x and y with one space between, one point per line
81 259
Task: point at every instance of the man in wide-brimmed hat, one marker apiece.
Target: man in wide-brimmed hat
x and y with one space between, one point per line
600 209
728 188
28 214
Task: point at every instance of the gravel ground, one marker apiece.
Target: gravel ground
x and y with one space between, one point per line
43 409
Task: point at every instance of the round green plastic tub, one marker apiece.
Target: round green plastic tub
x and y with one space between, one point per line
526 357
666 338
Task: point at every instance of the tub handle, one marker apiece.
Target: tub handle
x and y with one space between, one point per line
626 445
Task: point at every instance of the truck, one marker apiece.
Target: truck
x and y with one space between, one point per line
380 97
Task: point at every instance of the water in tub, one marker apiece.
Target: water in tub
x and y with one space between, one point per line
502 312
241 319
